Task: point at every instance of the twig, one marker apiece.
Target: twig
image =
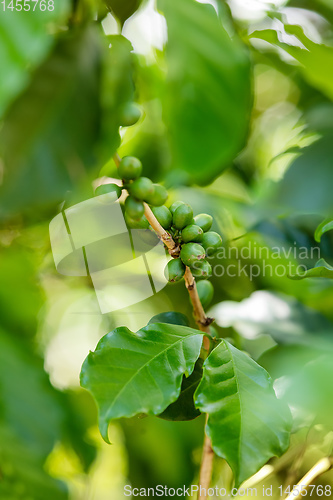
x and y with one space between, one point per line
117 159
322 466
206 468
198 311
161 232
199 314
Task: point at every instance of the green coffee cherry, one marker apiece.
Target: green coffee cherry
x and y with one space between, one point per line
192 233
130 168
130 114
206 292
201 269
141 188
136 224
174 270
211 242
182 216
175 205
158 197
108 188
192 252
205 221
163 215
134 208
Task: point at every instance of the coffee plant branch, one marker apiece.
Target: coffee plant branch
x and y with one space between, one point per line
201 320
200 317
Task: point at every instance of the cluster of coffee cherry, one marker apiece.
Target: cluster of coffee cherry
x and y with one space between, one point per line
192 235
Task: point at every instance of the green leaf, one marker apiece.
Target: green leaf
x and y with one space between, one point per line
24 43
50 133
316 60
183 408
321 270
207 99
326 225
171 317
247 423
131 373
123 9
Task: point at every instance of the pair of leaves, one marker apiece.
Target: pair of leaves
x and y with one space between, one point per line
206 102
129 374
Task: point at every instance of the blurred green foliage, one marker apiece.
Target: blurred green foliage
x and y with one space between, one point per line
237 121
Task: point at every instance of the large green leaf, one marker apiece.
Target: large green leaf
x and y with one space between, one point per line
50 133
24 42
207 97
247 423
131 373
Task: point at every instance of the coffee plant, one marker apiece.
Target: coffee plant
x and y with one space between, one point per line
176 372
207 126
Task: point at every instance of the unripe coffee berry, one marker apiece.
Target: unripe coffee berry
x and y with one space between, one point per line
130 168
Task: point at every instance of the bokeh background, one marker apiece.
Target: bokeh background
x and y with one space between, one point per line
236 119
